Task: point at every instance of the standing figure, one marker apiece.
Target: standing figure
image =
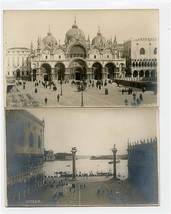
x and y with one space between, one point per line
46 100
134 96
58 96
141 97
126 102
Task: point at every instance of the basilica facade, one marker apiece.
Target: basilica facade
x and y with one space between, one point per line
78 58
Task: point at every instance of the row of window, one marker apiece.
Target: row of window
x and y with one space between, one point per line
32 142
34 128
77 55
144 64
142 51
18 61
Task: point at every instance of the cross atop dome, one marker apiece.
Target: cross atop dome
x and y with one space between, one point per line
98 33
49 33
75 22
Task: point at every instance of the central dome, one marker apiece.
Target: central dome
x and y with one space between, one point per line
99 40
49 39
74 34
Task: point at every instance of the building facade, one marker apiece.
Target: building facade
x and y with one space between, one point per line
24 154
18 63
143 168
77 59
141 58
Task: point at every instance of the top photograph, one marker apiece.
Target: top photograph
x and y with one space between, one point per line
81 58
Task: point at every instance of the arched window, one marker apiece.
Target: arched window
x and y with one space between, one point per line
59 56
31 140
94 56
142 51
155 50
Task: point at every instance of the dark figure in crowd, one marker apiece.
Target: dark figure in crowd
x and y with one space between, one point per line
134 96
141 97
46 100
126 102
58 96
143 89
138 101
122 91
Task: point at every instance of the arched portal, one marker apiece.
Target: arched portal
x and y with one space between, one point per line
46 71
135 73
153 74
141 73
110 69
97 71
78 69
59 71
147 73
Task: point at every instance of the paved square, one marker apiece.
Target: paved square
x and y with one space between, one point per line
71 97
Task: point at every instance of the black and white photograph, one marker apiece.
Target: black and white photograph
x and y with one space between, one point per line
81 58
62 157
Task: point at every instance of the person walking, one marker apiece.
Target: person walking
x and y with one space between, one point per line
58 97
141 97
126 102
134 96
138 101
46 100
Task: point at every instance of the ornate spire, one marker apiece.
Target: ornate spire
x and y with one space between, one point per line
98 33
49 33
75 23
115 41
38 42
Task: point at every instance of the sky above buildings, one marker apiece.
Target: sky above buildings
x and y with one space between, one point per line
22 27
94 131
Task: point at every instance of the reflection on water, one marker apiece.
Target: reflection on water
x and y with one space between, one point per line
85 166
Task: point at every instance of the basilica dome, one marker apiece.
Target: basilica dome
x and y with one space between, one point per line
99 40
49 39
74 34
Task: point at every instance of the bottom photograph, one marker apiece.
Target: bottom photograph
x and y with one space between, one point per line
82 157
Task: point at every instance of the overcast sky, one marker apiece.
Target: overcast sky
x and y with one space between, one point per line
22 27
96 130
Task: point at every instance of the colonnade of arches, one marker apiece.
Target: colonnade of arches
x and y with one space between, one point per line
144 73
145 63
76 70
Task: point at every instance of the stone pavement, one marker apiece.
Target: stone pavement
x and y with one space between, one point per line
97 191
92 97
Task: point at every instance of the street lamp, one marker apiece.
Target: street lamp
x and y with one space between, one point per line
61 85
82 88
114 150
61 81
73 151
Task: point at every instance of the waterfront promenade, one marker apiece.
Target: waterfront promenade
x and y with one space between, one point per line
91 191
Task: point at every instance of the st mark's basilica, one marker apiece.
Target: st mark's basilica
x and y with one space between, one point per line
78 59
